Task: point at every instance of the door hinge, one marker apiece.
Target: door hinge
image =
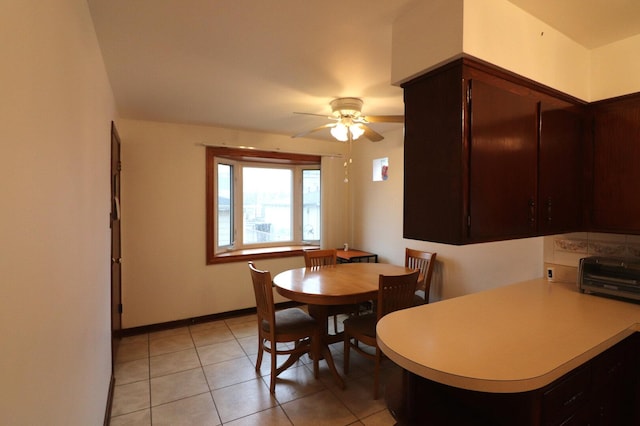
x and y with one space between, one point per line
119 166
119 308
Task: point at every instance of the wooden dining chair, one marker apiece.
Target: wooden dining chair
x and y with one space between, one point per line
424 261
288 325
395 292
320 258
323 258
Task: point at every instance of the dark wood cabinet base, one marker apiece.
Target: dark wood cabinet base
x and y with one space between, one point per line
604 391
419 401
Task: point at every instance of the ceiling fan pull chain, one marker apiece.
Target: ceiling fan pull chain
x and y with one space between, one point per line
348 161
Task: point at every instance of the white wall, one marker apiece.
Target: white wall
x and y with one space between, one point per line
165 276
56 108
426 35
498 32
615 69
504 35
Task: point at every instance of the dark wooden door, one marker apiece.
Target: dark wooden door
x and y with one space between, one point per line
116 259
561 162
616 166
503 163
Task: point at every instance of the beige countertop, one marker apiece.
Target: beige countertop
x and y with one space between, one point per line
515 338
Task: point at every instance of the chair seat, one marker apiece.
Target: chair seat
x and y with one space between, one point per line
291 321
418 298
363 325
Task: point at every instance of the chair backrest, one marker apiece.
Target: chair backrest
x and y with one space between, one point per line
396 292
319 258
262 288
424 261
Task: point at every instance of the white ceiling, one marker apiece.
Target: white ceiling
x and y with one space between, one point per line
249 64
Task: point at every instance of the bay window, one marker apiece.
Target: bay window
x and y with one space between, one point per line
259 202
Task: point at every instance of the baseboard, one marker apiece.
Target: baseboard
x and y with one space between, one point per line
197 320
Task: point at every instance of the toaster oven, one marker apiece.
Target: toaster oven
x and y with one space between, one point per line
610 276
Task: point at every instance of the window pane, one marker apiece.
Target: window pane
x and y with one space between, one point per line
225 207
311 205
267 205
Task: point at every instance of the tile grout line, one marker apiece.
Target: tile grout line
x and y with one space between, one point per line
260 378
213 400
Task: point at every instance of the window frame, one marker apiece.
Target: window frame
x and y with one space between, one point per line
244 156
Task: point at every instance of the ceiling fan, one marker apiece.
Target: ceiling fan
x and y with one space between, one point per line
349 123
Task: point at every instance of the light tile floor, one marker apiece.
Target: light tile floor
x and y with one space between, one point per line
205 374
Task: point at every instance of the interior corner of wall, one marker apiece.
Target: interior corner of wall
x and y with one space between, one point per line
614 69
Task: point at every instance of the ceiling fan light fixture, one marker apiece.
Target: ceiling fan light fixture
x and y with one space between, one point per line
339 131
356 131
349 123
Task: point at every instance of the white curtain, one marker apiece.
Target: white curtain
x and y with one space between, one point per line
335 204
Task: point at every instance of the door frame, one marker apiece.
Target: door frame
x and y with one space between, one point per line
116 253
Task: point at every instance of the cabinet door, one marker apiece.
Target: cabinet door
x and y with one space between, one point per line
616 167
614 383
503 163
560 169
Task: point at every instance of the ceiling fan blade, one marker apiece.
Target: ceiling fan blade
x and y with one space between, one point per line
384 118
316 115
371 134
299 135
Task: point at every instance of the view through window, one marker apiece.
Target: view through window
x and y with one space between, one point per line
261 200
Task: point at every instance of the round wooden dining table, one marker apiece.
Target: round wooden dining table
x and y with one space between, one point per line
341 284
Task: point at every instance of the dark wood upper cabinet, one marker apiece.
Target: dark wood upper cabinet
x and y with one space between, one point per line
503 163
489 156
615 157
561 165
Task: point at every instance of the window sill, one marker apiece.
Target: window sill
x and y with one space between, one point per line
261 253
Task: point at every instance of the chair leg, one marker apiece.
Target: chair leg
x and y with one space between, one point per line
272 382
376 374
316 346
260 352
292 359
347 347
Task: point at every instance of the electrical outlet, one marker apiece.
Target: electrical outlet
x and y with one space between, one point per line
550 274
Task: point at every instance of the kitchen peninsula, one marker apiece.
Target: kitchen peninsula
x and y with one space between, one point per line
529 353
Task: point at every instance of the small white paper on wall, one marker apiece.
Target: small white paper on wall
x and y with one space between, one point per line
380 169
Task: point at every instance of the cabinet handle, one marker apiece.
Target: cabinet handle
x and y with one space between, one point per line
532 211
569 420
573 399
614 368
